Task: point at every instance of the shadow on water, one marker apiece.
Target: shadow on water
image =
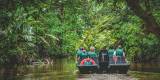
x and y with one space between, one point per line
61 69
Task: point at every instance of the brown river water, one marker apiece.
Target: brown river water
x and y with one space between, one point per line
61 69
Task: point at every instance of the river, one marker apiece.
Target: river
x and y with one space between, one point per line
61 69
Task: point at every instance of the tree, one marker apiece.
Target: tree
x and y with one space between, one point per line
145 14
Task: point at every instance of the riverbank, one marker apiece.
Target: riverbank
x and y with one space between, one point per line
144 75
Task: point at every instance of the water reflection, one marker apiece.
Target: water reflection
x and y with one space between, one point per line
62 69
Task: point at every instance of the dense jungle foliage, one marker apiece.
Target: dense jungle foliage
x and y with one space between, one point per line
48 28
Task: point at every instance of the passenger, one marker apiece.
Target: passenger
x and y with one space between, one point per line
120 53
111 51
83 54
92 53
103 55
79 52
112 56
103 59
87 61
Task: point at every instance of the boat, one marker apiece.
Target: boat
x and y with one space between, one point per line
102 62
121 66
88 64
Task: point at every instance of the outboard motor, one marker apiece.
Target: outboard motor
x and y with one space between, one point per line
103 60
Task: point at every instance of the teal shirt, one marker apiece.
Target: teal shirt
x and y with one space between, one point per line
92 54
119 52
84 55
111 52
79 52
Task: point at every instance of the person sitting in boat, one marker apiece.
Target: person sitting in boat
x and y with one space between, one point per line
103 55
79 52
103 59
111 51
92 53
87 61
111 54
82 54
119 54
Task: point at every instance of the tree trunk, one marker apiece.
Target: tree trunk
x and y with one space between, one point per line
150 22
